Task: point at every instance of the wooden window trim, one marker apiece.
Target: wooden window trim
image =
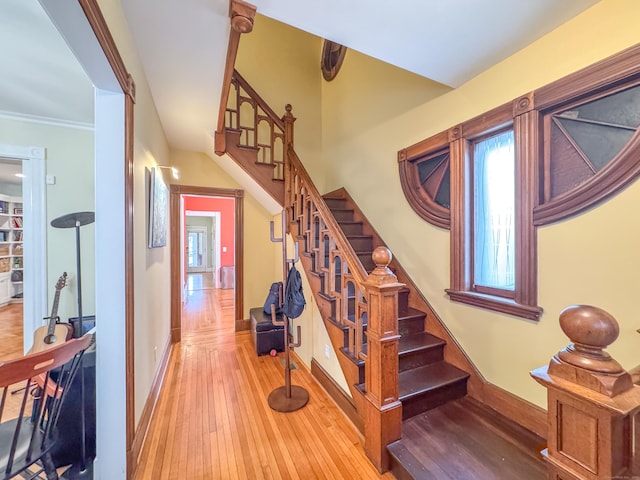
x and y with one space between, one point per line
534 206
523 302
426 207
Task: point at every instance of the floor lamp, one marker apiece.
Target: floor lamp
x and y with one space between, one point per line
77 220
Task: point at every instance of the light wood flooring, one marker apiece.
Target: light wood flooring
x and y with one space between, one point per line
11 326
212 420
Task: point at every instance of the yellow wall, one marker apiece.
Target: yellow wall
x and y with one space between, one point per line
286 73
592 258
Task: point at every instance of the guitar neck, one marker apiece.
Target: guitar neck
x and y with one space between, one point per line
54 313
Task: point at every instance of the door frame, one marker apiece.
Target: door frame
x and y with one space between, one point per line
177 250
35 242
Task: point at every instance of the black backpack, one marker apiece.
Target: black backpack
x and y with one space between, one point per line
293 304
273 299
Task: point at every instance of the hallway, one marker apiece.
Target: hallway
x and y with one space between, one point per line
212 420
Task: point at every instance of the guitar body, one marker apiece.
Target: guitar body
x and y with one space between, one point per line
55 332
42 340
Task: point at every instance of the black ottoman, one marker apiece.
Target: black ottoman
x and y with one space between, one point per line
265 335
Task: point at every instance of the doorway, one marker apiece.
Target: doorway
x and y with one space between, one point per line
197 251
232 248
11 260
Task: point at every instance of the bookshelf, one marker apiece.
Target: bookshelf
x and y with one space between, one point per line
11 249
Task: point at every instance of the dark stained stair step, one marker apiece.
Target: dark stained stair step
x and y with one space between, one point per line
411 321
403 300
419 349
351 227
423 388
362 243
335 202
343 214
465 440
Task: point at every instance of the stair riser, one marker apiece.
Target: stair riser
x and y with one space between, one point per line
367 262
399 471
421 403
335 202
361 244
410 325
351 228
421 358
343 215
403 301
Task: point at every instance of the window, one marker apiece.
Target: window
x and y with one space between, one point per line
572 143
493 254
494 215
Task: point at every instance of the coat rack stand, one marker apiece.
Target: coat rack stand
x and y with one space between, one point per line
287 398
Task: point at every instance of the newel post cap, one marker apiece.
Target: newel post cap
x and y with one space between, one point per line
382 274
590 330
584 362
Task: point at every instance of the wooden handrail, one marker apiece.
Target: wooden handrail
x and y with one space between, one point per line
241 15
355 266
258 99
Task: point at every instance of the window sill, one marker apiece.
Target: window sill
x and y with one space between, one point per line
497 304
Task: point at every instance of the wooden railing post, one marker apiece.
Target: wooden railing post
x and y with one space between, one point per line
383 416
288 119
241 15
592 402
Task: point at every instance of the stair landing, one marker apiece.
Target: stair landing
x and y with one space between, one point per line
464 440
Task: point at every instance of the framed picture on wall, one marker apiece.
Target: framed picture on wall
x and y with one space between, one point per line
158 210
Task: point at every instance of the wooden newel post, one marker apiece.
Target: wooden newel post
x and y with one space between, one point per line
592 402
383 417
288 120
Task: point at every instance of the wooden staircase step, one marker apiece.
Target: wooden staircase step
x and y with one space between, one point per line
423 388
343 214
419 349
411 321
480 445
366 260
361 242
351 227
335 202
403 300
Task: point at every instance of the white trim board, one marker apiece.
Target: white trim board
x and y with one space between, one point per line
35 235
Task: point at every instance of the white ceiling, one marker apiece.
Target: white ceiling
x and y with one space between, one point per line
182 45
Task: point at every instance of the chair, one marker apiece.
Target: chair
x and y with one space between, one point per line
27 423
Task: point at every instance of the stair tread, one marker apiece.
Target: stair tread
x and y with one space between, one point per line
481 444
427 378
414 342
410 313
358 236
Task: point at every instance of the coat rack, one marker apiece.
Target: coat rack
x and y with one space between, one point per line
287 398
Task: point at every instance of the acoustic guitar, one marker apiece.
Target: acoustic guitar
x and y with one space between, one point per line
55 332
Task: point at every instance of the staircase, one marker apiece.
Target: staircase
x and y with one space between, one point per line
425 379
358 301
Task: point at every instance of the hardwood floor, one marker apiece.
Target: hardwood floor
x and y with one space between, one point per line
11 325
213 421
